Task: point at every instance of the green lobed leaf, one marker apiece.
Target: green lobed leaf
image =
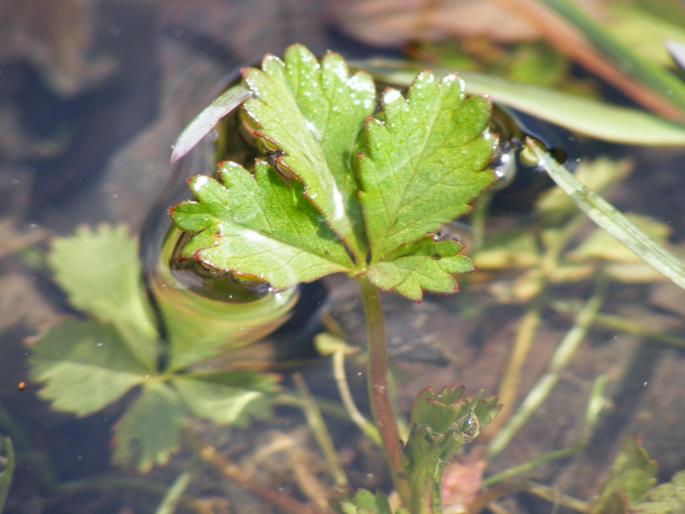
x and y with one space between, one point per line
422 162
313 112
150 430
668 498
100 272
418 163
632 474
83 367
257 225
426 265
230 398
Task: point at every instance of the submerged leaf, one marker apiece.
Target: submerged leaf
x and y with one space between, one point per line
422 162
100 272
150 431
365 502
228 398
668 498
258 226
632 474
313 113
84 366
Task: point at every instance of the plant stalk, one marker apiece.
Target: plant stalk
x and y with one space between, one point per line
377 380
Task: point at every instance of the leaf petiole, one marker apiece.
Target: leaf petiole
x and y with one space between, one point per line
379 396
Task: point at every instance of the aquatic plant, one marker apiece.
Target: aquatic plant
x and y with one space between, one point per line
341 188
86 365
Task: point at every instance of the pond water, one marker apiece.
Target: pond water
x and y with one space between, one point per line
90 107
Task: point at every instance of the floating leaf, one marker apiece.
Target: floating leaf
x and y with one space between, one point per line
83 366
150 430
227 398
632 474
256 225
100 272
666 498
422 161
204 122
313 113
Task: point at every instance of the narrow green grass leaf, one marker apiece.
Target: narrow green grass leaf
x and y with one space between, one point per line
313 113
83 367
575 113
258 226
422 161
611 220
150 430
100 272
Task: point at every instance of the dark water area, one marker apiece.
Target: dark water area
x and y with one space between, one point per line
90 104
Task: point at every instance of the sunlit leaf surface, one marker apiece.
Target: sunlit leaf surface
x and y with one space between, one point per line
419 162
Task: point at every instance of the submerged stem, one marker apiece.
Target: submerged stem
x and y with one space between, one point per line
379 396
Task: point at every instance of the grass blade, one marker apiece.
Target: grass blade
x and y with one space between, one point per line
610 219
575 113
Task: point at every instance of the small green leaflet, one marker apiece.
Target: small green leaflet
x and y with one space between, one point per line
348 190
99 271
422 161
150 430
313 112
258 226
84 367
